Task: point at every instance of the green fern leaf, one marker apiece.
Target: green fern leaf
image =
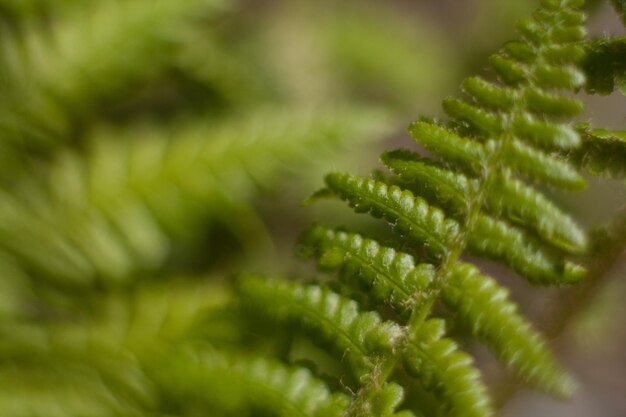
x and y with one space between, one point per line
384 402
483 306
413 217
472 156
124 206
388 275
497 240
68 391
481 121
449 189
542 166
509 197
335 318
408 214
550 104
544 134
489 95
237 383
101 361
442 368
449 146
603 152
604 65
53 83
526 206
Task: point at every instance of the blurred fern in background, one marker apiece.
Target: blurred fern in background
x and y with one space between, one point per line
137 141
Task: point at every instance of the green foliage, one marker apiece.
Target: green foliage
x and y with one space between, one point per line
475 198
386 274
604 65
482 305
509 198
335 319
603 152
123 208
134 147
427 226
51 86
238 385
442 368
408 214
107 362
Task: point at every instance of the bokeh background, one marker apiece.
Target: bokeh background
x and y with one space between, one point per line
150 149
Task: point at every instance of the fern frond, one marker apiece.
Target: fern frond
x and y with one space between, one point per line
498 240
384 402
335 318
544 134
550 104
99 360
449 146
449 189
237 383
489 95
541 166
387 274
149 318
509 197
472 197
472 156
62 392
604 65
528 207
427 225
123 207
477 119
52 85
442 368
408 214
484 307
603 152
73 385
